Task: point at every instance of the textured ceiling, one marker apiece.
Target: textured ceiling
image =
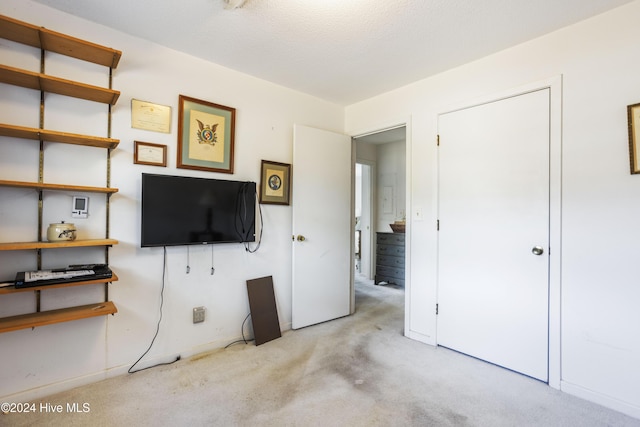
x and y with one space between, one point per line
342 51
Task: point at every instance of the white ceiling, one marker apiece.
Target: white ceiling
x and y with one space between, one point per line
342 51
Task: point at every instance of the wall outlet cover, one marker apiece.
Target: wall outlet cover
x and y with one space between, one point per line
198 314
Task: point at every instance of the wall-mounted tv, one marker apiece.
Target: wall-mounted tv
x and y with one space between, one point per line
179 210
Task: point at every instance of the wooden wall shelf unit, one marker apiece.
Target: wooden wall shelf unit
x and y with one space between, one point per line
24 33
21 246
12 289
51 41
55 136
45 83
57 187
42 318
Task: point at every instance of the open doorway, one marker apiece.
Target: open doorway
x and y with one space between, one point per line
380 200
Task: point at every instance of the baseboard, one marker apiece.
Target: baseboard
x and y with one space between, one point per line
49 389
185 354
285 326
601 399
43 391
426 339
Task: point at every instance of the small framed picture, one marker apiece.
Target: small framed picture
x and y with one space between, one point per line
275 183
146 153
633 117
205 135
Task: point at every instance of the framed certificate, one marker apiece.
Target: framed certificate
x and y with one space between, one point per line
146 153
149 116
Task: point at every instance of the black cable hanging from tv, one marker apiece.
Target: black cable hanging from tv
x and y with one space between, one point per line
242 228
213 270
153 340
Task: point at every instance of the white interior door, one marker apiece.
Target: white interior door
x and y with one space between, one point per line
322 226
493 267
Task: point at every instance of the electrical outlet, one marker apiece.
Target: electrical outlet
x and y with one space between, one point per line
198 314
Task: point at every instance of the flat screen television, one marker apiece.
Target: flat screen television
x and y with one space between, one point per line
179 210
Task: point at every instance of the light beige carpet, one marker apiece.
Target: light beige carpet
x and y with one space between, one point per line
354 371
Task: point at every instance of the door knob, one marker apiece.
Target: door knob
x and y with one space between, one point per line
537 250
301 238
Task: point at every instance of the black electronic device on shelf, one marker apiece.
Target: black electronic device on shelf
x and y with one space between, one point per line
73 273
180 210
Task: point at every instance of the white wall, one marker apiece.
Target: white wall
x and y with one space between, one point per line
47 359
391 170
598 61
391 173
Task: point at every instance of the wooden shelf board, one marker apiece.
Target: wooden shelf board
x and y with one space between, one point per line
20 246
50 317
13 289
42 38
58 187
18 31
29 79
56 136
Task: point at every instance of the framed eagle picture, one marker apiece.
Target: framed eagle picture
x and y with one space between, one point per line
205 135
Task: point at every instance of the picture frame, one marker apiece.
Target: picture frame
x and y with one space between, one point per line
275 183
206 133
633 118
147 153
149 116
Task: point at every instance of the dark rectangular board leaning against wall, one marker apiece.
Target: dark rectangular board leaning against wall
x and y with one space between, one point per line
264 314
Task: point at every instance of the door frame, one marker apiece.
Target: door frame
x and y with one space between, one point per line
554 84
406 123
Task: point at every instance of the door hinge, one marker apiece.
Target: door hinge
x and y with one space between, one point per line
438 140
438 225
436 309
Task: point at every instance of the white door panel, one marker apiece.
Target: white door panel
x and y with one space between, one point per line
322 215
493 292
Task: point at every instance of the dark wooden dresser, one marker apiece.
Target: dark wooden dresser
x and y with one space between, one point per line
390 258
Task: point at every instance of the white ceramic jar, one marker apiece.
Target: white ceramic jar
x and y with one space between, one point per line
61 231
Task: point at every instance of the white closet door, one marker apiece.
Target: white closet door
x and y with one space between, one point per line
493 268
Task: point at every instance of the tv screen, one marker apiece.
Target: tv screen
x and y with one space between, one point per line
179 210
